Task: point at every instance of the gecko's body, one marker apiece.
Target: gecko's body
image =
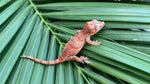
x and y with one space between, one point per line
73 47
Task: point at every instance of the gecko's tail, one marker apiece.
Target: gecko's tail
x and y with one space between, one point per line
41 61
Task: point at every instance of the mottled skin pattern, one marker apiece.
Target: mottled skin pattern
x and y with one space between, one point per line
76 43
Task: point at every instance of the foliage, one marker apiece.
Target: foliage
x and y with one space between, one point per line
41 30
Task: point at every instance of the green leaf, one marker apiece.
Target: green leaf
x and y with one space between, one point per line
123 66
12 52
97 77
69 75
112 25
4 2
49 74
122 74
60 70
63 29
126 35
13 27
10 10
79 5
77 76
101 12
143 47
38 68
31 50
41 30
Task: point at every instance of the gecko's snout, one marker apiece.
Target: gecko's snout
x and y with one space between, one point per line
103 23
100 24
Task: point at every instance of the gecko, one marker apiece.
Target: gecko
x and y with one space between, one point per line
75 44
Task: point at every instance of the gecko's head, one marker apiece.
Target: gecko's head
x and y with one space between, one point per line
91 27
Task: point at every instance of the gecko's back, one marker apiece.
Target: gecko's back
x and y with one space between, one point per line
73 46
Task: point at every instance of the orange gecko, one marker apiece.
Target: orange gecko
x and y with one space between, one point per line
73 47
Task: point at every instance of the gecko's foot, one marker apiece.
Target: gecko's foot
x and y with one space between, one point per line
82 58
96 43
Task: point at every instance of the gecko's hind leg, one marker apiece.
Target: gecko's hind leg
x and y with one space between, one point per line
81 59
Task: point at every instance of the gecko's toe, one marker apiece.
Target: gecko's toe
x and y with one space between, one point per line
86 58
82 58
82 62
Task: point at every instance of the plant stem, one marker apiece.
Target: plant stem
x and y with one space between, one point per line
80 71
36 11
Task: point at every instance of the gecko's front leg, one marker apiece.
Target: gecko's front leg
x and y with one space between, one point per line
92 42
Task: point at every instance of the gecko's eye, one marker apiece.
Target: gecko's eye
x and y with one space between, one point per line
97 27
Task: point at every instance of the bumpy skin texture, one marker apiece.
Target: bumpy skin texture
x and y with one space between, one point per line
76 43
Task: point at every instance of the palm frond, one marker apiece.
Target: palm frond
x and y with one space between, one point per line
41 30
